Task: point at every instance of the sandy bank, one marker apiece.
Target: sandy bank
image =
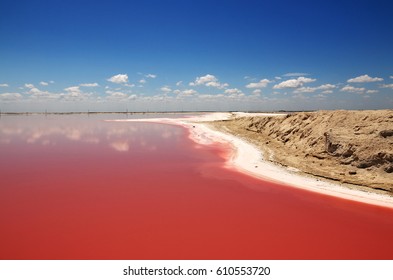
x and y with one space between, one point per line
249 159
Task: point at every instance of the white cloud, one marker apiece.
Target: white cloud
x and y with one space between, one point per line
187 92
44 83
300 96
73 89
327 91
294 83
116 94
179 83
152 76
233 91
209 81
391 77
257 92
10 96
4 85
305 90
372 91
75 93
249 78
142 81
210 96
296 74
90 85
36 93
326 87
349 88
277 78
119 79
51 82
217 85
261 84
387 86
166 89
364 79
132 97
39 94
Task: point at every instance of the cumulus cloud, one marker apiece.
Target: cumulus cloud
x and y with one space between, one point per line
349 88
210 96
142 81
151 76
296 74
294 83
364 79
184 93
391 77
372 91
257 92
116 95
36 93
387 86
326 87
119 79
305 90
75 93
74 89
179 83
233 91
3 85
44 83
132 97
10 96
261 84
209 81
189 92
166 89
89 85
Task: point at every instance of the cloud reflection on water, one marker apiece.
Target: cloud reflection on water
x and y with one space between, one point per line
54 130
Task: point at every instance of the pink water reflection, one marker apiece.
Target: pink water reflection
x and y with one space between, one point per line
75 187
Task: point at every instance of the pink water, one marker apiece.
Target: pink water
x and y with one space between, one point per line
73 187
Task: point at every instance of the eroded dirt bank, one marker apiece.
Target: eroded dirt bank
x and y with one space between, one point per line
354 147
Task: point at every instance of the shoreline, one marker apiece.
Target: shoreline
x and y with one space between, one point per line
248 159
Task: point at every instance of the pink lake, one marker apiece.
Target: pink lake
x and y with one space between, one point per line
76 187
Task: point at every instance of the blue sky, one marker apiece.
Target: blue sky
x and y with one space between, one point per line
195 55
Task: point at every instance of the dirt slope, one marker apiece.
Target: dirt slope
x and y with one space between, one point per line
348 146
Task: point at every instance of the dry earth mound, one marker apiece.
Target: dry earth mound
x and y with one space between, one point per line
349 146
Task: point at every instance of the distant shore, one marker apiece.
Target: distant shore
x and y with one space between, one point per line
248 158
133 112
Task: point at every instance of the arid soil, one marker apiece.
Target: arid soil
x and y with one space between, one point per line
354 147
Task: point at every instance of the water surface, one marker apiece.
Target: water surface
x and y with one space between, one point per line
76 187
